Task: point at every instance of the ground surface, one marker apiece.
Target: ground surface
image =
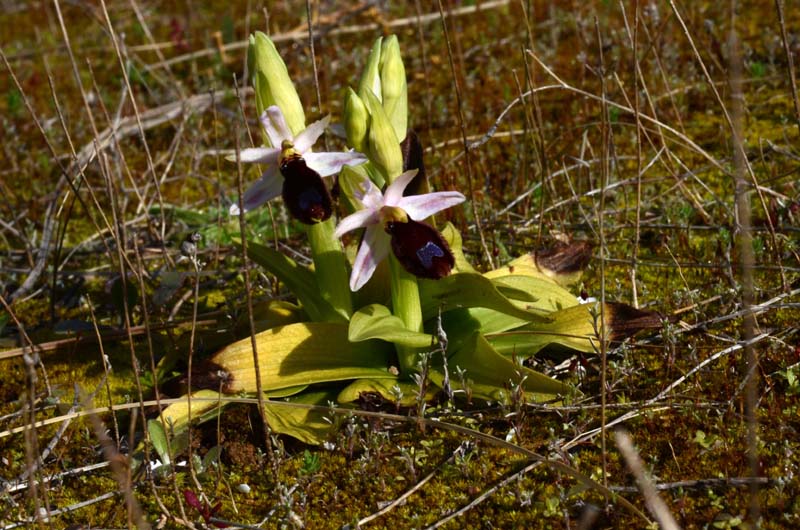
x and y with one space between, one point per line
561 164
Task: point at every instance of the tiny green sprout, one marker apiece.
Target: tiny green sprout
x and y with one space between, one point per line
311 463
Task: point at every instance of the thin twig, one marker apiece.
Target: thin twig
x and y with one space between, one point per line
300 35
461 122
247 285
652 500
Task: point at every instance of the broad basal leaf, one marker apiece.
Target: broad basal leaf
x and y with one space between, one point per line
206 404
490 376
377 322
269 314
307 425
549 296
472 290
305 353
575 328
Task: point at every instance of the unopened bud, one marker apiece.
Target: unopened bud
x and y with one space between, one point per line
272 84
394 88
371 77
383 147
356 121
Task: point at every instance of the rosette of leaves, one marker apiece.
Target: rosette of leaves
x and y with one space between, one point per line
320 354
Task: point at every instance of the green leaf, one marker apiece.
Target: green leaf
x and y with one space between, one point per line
490 375
330 266
158 437
472 290
308 426
375 321
299 280
573 328
305 353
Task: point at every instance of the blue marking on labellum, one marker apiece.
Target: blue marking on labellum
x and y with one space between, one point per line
309 198
428 252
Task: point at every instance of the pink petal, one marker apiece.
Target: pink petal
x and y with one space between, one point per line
275 125
374 248
308 137
394 191
330 163
369 194
264 189
258 155
359 219
420 207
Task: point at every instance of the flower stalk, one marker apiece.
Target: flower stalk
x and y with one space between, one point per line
330 264
406 305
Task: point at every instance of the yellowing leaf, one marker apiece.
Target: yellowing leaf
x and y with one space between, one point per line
562 264
384 387
301 354
176 415
307 425
549 295
573 328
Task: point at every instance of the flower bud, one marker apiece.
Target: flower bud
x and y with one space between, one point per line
383 148
304 193
370 78
272 84
394 88
420 249
356 121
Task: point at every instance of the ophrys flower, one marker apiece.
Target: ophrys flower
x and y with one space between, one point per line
394 221
270 185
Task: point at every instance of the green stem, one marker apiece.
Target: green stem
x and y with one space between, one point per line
330 266
406 305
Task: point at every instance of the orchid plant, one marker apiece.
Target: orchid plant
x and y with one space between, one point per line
341 340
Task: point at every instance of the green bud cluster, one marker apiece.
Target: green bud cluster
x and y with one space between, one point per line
376 115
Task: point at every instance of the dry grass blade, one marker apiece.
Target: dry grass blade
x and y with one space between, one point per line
653 501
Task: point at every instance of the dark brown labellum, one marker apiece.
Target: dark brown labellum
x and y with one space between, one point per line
412 159
304 192
421 249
